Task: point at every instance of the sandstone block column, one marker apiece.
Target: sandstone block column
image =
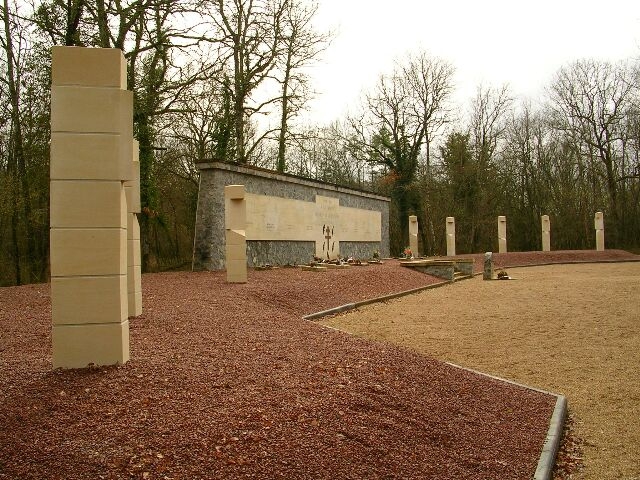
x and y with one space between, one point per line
134 258
451 236
546 234
599 224
502 234
91 152
235 218
413 235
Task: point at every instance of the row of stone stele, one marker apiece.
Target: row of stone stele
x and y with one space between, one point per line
502 233
95 195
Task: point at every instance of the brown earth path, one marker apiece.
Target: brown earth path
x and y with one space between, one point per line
571 329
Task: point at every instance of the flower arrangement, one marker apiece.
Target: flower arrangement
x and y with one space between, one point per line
407 253
502 275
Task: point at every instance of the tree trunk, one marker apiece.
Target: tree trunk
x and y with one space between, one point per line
17 144
16 245
238 111
281 167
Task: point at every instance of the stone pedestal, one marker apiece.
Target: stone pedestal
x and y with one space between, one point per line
451 236
546 234
599 224
91 153
502 234
487 273
235 217
413 235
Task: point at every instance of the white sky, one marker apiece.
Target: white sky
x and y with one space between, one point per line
492 41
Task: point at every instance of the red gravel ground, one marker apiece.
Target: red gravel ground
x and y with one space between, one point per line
226 381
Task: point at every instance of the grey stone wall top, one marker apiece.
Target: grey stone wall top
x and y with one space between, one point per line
288 178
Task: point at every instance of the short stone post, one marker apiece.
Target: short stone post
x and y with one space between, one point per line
451 236
502 234
413 235
546 234
91 155
599 224
235 217
134 258
487 273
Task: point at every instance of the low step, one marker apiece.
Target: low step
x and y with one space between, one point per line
459 276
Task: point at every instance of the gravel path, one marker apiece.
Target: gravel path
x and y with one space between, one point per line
572 329
226 381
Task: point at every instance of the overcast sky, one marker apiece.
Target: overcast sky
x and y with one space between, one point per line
492 41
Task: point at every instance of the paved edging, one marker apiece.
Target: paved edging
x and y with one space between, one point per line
350 306
547 460
566 262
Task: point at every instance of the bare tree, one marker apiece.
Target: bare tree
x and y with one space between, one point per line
301 47
487 127
60 20
401 117
488 120
250 39
16 158
591 101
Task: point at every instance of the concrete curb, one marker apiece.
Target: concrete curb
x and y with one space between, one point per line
350 306
330 311
547 460
567 262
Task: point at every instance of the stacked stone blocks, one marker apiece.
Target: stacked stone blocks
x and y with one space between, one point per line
134 256
235 214
91 157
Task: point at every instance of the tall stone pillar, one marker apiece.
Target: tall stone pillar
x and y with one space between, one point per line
134 257
91 152
235 218
502 234
413 235
451 236
546 234
599 224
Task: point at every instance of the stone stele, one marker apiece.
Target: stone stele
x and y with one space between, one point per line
91 158
546 234
413 235
487 272
599 224
502 234
451 236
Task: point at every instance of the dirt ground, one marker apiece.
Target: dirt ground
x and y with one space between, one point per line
226 381
570 329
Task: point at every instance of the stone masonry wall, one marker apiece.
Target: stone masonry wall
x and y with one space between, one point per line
209 243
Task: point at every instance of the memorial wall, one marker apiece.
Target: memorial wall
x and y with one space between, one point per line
289 219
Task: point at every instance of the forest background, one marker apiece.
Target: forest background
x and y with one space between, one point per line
229 80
